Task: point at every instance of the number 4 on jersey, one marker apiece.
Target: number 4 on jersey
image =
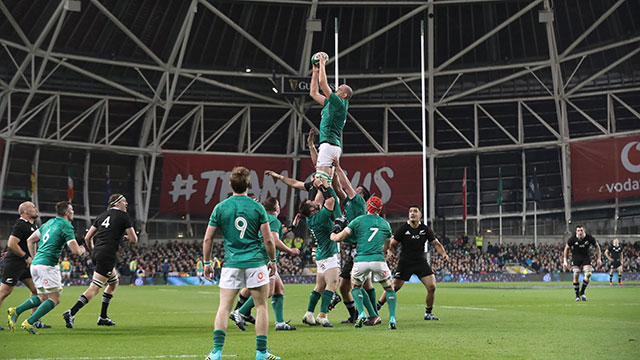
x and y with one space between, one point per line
106 223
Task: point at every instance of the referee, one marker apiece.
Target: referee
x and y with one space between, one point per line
413 235
107 230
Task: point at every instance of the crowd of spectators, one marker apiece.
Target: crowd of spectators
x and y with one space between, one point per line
464 258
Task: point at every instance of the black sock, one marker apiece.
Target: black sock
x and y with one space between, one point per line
610 277
576 287
619 278
584 287
106 299
241 301
429 309
351 307
82 301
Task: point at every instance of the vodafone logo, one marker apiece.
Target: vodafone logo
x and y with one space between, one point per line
624 156
261 276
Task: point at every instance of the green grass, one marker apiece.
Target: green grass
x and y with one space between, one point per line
478 321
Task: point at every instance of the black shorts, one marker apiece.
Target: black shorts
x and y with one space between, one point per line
346 261
580 262
407 268
15 271
104 263
615 264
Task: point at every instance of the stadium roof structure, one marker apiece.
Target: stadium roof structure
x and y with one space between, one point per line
147 77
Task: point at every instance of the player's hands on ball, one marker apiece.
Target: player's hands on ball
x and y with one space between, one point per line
208 272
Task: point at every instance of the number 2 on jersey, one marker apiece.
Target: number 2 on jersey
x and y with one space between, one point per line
241 225
106 223
375 231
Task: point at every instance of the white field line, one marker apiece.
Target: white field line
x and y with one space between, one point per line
466 308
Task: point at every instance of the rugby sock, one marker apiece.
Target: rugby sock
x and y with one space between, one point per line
358 299
619 278
351 307
611 277
277 302
42 310
261 343
313 301
241 300
576 287
245 309
82 301
584 286
30 303
327 295
428 309
367 303
372 298
380 304
218 339
106 299
391 299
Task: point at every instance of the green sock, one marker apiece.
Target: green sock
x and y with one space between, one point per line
245 309
277 302
313 301
218 339
42 310
358 298
327 295
373 298
391 300
367 303
261 343
31 302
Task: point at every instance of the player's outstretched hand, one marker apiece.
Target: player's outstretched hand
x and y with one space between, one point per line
445 258
208 272
125 238
294 251
323 60
271 266
310 138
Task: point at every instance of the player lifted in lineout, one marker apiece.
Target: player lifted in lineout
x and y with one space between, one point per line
334 116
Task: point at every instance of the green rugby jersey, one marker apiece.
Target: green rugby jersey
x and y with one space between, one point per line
334 116
54 234
275 226
369 232
239 218
355 207
320 225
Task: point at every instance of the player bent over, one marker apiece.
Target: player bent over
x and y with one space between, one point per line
107 231
249 261
579 244
51 239
372 234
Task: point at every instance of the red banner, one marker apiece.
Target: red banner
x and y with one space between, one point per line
194 184
605 169
397 180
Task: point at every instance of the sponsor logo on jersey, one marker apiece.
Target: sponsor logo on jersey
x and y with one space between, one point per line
261 275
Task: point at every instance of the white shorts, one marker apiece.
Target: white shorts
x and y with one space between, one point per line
326 153
362 270
199 273
46 278
234 278
328 263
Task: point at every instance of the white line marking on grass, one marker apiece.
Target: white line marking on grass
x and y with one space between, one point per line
467 308
124 357
166 290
